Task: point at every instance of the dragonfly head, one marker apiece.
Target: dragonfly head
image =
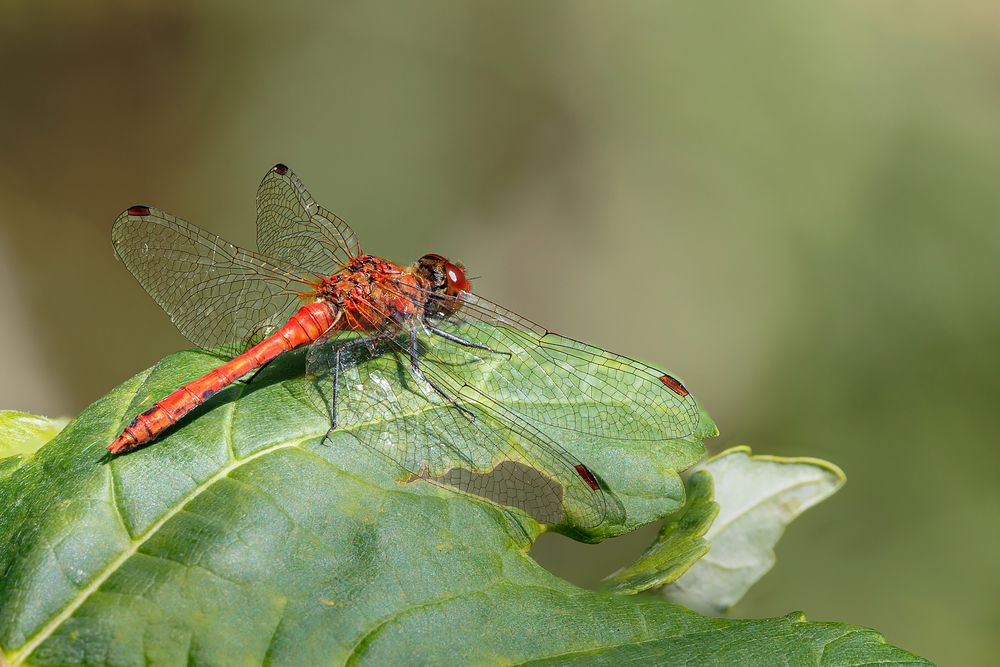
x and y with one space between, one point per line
445 277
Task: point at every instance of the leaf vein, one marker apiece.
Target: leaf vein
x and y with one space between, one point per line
46 631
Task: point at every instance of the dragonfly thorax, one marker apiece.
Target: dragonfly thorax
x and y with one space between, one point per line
370 291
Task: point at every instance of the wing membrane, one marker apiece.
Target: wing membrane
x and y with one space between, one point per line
480 449
220 296
293 227
559 381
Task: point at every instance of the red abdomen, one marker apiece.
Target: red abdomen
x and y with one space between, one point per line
305 326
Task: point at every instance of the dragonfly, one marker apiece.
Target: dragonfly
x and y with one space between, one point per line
479 410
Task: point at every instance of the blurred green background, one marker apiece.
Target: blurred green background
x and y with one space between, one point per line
792 205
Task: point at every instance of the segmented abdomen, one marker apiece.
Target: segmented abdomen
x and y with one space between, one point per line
305 326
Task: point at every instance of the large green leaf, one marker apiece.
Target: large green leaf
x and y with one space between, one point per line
244 536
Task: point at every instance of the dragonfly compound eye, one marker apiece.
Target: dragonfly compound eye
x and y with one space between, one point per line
457 282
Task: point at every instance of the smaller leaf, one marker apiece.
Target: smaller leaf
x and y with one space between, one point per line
23 434
679 544
757 496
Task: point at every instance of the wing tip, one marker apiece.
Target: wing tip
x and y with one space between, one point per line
674 385
121 222
587 476
137 210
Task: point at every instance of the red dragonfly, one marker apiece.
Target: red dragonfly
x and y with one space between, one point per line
488 392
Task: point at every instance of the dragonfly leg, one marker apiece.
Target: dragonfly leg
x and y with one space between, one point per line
415 369
254 375
335 371
336 384
458 339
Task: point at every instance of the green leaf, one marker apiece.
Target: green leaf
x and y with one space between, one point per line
617 417
21 435
679 544
244 536
758 496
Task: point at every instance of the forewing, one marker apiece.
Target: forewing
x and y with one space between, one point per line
558 381
293 227
462 439
219 296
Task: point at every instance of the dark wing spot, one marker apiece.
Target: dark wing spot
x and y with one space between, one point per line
280 169
587 476
138 210
674 385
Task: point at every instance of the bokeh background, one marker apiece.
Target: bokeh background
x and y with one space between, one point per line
792 205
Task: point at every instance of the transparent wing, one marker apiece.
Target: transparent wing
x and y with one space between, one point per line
557 381
456 437
219 296
292 227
